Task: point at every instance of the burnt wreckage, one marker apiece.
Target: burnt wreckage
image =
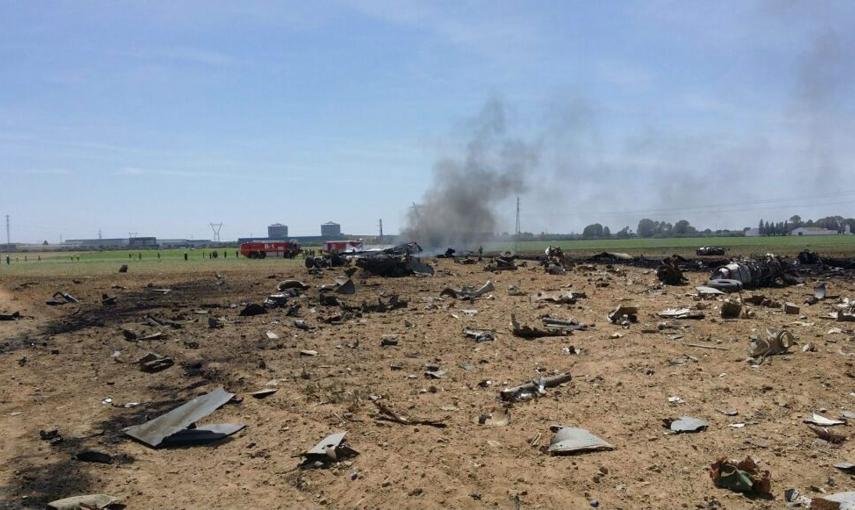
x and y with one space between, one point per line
400 260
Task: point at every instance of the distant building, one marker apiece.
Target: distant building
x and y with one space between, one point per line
813 231
184 243
752 232
277 231
142 242
330 230
96 243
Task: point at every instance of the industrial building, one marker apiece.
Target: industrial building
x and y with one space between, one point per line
817 231
330 230
277 231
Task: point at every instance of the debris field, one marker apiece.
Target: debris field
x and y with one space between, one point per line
332 387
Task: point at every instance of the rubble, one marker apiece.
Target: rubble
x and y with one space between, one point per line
623 313
10 316
745 477
730 309
153 362
531 332
252 309
776 342
669 272
708 251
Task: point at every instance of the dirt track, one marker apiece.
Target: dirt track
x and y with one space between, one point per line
59 366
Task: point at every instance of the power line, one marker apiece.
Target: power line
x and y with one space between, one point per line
215 227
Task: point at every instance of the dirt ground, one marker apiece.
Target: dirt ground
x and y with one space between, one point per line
60 363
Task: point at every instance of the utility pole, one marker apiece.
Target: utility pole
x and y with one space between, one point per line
517 228
215 227
8 238
381 230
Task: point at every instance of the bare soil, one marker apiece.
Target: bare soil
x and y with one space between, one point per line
60 364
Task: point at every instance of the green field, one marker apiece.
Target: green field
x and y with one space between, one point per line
172 261
782 245
85 263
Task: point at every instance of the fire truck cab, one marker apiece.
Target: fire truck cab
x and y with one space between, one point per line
260 249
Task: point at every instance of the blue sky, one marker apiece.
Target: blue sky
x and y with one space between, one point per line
160 117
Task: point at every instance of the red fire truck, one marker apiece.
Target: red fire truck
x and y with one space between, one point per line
343 246
261 249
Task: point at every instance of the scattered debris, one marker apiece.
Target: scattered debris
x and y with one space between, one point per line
531 332
263 393
744 477
308 352
496 418
252 309
839 501
706 291
480 335
570 440
86 502
724 285
680 313
776 342
390 415
10 316
123 268
730 309
752 273
685 424
388 341
468 292
51 435
791 309
329 450
562 324
61 298
624 313
827 435
215 323
822 421
291 284
561 298
707 251
669 272
534 388
171 429
153 362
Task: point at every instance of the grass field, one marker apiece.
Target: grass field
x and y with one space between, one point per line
784 245
172 261
87 263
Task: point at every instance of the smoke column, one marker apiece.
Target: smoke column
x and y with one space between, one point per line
458 209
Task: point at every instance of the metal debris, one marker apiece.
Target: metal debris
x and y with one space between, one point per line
731 309
291 284
330 449
562 298
262 393
529 332
822 421
86 502
839 501
175 423
496 418
706 291
752 273
468 292
153 362
480 335
776 342
685 424
570 440
534 388
10 316
680 313
624 313
724 285
252 309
